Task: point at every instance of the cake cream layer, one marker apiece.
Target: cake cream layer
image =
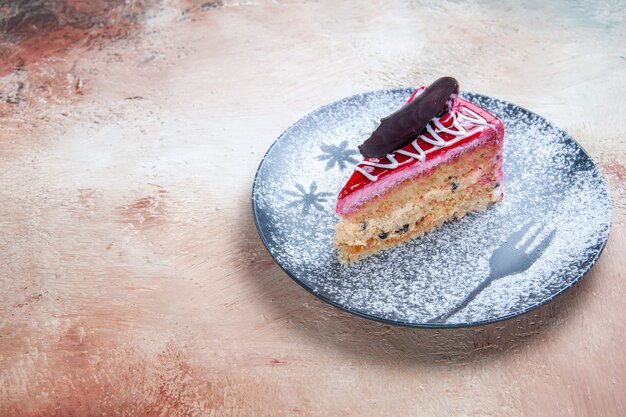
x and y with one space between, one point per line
468 182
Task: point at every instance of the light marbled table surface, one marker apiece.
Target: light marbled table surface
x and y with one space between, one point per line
133 280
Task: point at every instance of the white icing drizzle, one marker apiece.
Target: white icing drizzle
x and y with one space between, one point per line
459 133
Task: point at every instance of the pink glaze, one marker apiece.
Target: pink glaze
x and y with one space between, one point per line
360 189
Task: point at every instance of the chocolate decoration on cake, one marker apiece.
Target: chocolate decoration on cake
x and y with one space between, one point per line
402 126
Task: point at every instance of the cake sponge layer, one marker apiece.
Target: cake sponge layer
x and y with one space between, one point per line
468 182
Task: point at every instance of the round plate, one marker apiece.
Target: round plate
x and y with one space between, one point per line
501 262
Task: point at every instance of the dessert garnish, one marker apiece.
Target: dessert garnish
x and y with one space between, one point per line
404 125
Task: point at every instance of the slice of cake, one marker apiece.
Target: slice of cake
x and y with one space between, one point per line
435 159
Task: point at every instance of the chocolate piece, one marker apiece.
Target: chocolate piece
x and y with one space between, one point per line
404 125
383 235
404 229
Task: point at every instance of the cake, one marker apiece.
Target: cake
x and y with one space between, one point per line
434 160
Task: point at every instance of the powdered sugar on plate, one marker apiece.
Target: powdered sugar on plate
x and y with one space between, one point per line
549 181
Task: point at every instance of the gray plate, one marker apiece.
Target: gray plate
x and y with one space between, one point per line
488 266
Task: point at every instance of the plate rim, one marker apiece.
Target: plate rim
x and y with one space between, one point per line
427 325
